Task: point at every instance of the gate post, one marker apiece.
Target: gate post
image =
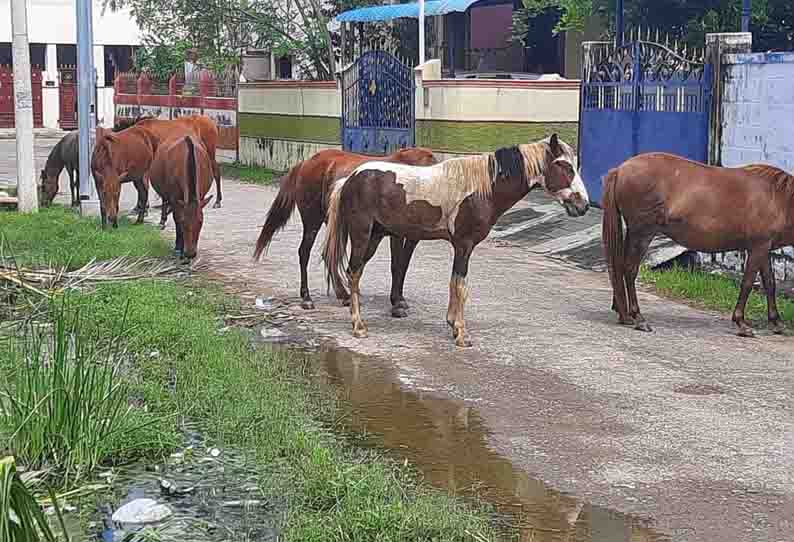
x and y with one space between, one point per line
716 46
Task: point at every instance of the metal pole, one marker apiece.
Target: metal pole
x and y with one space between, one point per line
619 28
86 107
27 187
421 32
745 15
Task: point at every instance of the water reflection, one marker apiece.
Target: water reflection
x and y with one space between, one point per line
446 440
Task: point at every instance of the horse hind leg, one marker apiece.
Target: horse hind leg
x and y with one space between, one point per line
216 172
459 294
73 187
755 261
401 252
636 247
362 247
310 231
768 278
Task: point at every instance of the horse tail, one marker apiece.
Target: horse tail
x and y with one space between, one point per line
280 211
337 233
612 233
191 170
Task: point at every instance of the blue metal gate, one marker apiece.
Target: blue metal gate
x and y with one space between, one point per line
640 97
377 104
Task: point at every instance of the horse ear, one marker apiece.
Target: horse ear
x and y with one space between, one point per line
206 201
556 148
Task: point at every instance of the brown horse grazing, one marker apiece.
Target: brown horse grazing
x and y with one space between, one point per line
64 155
201 126
181 174
708 209
119 158
458 200
308 185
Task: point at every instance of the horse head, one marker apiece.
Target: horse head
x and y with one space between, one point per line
106 176
562 180
48 188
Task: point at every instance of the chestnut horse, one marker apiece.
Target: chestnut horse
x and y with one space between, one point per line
703 208
458 200
181 174
64 155
201 126
120 158
308 185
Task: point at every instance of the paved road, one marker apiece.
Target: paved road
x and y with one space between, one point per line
691 427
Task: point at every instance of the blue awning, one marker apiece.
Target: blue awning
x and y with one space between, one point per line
398 11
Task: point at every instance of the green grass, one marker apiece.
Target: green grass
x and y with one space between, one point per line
59 236
64 399
30 524
183 362
711 291
261 401
249 174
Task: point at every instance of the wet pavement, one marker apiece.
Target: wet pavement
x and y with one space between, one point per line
688 431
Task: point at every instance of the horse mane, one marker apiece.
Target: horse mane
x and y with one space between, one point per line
781 180
535 157
102 151
475 173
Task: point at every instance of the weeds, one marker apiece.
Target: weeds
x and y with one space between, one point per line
249 174
65 402
21 518
711 291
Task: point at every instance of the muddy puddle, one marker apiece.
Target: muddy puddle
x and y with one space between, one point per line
206 492
447 441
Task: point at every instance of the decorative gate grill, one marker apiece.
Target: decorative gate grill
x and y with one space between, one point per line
7 97
67 98
377 104
640 97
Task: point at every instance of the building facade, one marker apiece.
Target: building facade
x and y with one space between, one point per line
52 35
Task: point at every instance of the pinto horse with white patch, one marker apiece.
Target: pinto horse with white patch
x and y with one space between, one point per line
458 200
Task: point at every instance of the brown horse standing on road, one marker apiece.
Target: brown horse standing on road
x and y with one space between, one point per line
64 155
201 126
308 185
181 174
119 158
703 208
458 200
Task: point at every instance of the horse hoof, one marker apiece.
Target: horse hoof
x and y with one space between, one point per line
746 332
360 333
629 322
345 302
217 205
643 326
403 304
162 225
463 343
307 304
778 328
177 253
399 312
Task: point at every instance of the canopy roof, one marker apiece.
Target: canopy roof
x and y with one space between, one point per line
398 11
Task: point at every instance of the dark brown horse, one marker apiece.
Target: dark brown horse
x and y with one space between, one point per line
708 209
64 155
458 200
181 174
308 185
120 158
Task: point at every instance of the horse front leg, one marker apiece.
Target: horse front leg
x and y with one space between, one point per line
457 284
755 261
401 252
73 187
768 279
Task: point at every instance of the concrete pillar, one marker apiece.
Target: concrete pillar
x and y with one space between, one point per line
51 63
716 46
27 186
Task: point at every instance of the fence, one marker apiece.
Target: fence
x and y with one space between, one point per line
205 93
